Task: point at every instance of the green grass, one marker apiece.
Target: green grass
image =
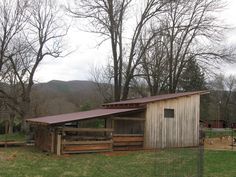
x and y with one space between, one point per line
12 137
29 162
220 164
214 133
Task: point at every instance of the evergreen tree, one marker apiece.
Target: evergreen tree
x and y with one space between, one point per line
193 78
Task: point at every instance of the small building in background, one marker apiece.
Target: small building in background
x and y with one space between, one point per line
170 120
215 124
233 125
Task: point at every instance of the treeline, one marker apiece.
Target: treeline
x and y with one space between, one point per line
220 104
56 97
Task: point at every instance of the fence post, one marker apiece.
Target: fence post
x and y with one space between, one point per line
232 135
201 154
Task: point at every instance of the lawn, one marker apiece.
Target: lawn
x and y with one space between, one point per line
28 162
12 137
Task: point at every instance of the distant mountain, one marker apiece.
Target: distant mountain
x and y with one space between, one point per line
67 86
57 97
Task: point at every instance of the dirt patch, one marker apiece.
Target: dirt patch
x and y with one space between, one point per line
224 142
1 156
67 155
12 156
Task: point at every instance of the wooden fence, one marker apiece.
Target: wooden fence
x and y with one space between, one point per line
79 140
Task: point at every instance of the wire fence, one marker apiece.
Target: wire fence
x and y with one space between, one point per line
189 162
180 162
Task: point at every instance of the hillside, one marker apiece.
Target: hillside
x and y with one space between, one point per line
67 86
57 97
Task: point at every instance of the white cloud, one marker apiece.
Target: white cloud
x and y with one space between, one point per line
77 65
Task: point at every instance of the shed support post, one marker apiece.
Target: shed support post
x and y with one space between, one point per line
58 144
53 141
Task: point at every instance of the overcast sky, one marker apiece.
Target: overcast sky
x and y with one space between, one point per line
87 54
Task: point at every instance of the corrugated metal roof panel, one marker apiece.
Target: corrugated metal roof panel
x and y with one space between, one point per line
154 98
63 118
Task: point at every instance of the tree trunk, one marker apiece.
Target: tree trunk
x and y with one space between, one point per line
11 123
126 88
6 127
25 114
125 92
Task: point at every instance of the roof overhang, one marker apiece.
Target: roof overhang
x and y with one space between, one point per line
71 117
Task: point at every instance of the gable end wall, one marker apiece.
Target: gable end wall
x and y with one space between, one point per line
180 131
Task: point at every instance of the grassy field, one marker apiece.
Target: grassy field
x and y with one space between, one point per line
12 137
28 162
220 164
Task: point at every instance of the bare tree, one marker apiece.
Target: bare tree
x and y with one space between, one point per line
192 28
12 20
107 17
102 78
40 37
154 68
188 31
230 84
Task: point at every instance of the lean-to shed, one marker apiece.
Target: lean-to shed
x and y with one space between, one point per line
170 120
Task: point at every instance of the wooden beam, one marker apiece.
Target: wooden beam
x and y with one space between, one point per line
86 142
129 118
84 138
127 139
88 151
127 148
13 143
138 143
125 135
87 129
32 123
87 147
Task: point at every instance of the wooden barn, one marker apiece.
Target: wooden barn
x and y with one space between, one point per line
170 120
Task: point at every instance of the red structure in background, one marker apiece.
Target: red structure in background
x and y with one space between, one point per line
216 124
233 125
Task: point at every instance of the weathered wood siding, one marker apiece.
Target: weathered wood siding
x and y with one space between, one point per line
180 131
43 138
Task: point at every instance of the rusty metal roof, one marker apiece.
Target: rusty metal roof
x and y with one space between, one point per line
142 101
63 118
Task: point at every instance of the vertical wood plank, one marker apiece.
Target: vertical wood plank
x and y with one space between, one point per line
58 144
53 141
